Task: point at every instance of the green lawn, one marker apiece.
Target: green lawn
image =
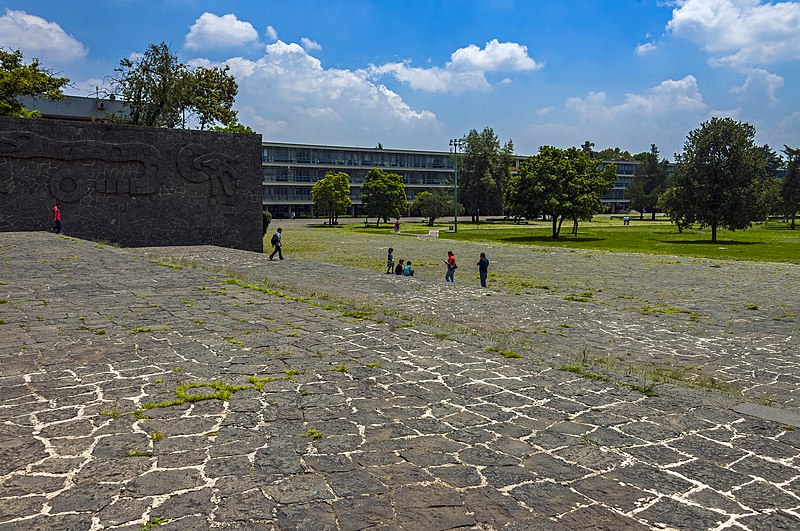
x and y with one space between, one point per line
772 242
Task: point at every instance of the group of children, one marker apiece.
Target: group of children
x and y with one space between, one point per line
399 269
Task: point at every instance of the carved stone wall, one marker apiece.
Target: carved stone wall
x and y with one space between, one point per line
137 186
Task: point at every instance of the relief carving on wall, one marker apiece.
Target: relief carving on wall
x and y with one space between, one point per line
74 167
197 164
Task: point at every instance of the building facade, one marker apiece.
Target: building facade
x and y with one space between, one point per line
291 170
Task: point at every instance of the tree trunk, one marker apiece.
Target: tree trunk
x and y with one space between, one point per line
714 233
654 215
793 216
574 227
555 229
430 223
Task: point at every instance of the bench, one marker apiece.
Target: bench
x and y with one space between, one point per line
431 234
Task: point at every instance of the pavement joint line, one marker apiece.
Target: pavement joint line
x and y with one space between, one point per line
443 434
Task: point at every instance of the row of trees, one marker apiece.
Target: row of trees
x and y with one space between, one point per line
156 89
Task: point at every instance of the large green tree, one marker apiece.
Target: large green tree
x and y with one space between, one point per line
483 171
383 195
790 187
20 79
160 91
331 194
648 182
721 177
560 184
432 205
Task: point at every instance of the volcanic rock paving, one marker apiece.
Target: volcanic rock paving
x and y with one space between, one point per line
203 388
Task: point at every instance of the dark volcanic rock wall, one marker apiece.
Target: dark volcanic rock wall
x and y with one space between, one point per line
137 186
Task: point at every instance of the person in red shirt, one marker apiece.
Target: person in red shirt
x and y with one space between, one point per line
451 267
56 219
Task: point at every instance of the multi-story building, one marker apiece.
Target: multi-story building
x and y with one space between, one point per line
290 171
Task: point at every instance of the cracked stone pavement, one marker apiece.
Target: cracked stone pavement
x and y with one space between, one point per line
246 394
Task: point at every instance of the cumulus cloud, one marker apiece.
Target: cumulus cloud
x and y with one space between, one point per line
760 85
289 95
740 32
214 32
466 70
37 37
433 79
309 45
668 98
494 57
271 33
643 49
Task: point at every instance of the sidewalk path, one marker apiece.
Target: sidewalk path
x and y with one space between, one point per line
136 391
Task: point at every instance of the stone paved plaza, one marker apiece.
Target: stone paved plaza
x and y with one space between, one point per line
207 388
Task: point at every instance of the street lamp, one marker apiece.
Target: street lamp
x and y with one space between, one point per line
455 144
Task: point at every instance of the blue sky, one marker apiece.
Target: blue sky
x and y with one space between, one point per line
413 74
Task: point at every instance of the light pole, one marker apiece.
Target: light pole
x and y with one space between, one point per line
456 144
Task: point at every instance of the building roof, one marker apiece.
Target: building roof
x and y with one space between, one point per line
77 108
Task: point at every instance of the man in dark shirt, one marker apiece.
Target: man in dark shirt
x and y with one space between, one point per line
483 269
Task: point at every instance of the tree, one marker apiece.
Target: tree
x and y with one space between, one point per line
614 154
331 194
483 171
790 187
234 127
211 93
721 177
561 184
432 205
383 194
18 79
648 182
160 91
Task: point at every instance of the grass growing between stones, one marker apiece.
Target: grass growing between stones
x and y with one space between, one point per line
154 522
314 434
506 353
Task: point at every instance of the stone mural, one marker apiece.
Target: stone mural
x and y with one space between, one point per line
136 186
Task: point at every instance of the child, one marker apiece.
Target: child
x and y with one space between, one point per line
408 271
399 269
390 261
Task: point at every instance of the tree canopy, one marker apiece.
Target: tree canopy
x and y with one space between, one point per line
648 182
383 194
433 205
331 194
561 184
790 187
20 79
721 177
483 171
160 91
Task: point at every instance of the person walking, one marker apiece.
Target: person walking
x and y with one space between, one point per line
56 219
451 267
483 269
276 243
390 261
397 225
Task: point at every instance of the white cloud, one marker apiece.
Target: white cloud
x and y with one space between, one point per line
494 57
214 32
668 98
309 45
740 32
643 49
759 85
271 33
544 111
433 79
37 37
289 95
465 72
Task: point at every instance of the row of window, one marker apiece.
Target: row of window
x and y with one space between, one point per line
373 159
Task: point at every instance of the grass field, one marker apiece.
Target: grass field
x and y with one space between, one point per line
771 242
